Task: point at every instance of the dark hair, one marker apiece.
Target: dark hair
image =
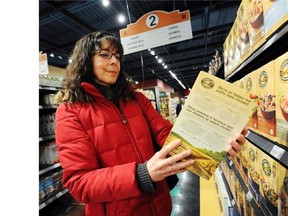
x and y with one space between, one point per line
80 69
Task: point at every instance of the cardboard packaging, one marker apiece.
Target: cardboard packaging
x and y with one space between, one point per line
275 15
283 190
267 102
281 79
268 184
255 24
254 170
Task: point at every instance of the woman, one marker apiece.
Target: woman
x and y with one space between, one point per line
104 139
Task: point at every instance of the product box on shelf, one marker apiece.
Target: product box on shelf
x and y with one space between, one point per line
254 170
281 78
283 190
245 162
275 15
231 58
243 32
267 103
268 184
250 85
255 24
241 200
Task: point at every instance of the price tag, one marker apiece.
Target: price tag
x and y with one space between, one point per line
249 196
277 152
230 163
59 194
42 205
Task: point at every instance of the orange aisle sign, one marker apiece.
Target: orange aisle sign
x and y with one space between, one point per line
156 28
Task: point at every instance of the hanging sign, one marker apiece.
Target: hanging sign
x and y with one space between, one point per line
156 28
43 64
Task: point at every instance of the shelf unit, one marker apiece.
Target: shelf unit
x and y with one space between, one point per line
274 46
50 184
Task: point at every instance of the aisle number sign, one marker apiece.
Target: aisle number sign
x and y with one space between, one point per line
156 28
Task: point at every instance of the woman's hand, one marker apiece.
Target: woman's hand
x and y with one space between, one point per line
237 145
161 166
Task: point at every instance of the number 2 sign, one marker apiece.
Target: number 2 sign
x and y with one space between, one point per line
156 28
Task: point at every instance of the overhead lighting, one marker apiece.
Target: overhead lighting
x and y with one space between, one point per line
121 18
52 54
152 52
105 3
160 60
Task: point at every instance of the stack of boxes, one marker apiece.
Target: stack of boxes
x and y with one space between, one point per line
256 21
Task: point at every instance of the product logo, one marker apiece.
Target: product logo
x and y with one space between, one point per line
266 167
207 83
249 84
284 70
263 78
251 154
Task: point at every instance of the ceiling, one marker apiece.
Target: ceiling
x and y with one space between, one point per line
62 23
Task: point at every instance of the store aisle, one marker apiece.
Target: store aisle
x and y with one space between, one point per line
185 195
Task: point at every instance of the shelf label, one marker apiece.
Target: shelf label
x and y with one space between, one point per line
249 196
156 28
277 152
230 163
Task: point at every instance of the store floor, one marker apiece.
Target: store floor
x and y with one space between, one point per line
194 196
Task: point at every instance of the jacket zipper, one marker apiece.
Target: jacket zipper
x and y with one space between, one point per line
124 121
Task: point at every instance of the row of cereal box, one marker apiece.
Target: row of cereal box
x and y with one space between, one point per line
266 179
50 185
268 85
48 153
46 124
255 22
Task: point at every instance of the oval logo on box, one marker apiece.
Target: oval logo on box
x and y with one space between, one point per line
207 83
284 70
263 78
266 167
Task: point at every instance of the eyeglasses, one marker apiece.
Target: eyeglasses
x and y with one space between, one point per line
106 54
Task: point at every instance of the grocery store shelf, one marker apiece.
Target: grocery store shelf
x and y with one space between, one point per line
50 88
221 180
269 46
44 204
271 148
248 193
44 138
54 166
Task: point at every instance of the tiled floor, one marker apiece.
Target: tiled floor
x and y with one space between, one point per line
185 195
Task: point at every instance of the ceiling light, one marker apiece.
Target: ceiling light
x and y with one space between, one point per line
52 54
160 60
136 82
165 66
156 57
152 52
105 3
121 18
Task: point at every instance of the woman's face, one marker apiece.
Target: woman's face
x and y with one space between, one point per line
106 71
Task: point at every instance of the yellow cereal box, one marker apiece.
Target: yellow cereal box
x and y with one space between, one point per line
267 100
254 170
255 23
250 83
268 184
275 15
283 190
281 78
243 32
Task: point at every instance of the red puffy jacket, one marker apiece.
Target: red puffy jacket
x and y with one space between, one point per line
99 146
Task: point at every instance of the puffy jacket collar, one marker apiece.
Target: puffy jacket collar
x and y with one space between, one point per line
92 90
